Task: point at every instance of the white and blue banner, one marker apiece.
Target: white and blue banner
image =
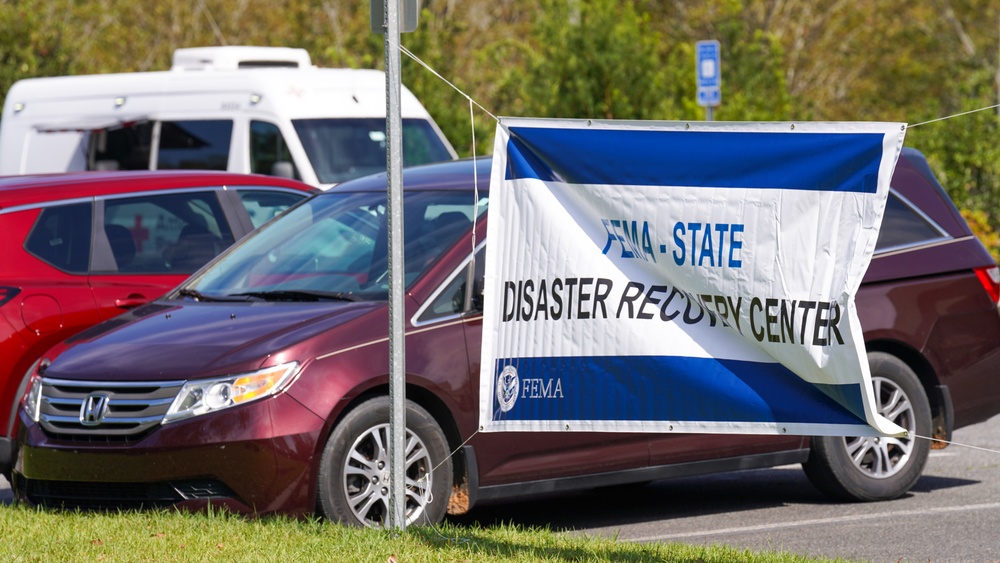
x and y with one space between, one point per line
676 277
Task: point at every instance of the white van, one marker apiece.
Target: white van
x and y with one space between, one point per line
262 110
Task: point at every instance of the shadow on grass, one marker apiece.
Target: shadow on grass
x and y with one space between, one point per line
489 544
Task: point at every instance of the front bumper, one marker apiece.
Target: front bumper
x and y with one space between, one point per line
257 458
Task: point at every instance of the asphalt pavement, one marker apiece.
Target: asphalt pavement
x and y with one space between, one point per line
952 514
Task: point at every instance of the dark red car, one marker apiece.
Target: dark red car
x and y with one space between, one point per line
84 247
261 383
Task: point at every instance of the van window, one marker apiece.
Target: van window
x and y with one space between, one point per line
451 301
336 242
269 152
904 226
121 148
198 145
342 149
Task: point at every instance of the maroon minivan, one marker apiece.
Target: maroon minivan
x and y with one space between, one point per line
261 383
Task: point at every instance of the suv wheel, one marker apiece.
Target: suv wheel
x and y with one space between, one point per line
877 468
354 475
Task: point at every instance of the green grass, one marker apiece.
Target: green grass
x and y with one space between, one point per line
39 535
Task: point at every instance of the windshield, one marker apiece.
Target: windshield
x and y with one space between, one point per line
343 149
334 246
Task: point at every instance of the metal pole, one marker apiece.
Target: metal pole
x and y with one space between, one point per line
394 213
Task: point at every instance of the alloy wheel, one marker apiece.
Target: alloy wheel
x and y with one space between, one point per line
367 477
881 457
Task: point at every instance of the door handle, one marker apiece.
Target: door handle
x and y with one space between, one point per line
131 302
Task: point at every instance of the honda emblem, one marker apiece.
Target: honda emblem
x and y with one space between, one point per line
93 409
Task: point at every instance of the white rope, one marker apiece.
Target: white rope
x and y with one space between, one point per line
475 175
410 54
951 116
475 185
407 52
956 444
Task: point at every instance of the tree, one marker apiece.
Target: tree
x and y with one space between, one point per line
830 60
27 47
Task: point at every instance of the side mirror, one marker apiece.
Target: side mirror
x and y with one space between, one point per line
477 294
283 169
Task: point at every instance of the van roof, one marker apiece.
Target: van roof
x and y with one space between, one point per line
295 93
239 57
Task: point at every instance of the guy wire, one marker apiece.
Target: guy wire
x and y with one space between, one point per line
951 116
407 52
956 444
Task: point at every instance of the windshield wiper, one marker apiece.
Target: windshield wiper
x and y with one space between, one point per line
300 295
199 296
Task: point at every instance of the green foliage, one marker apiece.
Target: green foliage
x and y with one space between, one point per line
979 222
965 158
597 59
28 48
434 43
828 60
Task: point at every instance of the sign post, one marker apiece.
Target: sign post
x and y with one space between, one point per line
708 61
385 18
407 18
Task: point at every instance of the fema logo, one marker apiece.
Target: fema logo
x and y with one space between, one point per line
508 384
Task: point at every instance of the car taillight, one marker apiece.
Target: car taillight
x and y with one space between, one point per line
990 278
7 293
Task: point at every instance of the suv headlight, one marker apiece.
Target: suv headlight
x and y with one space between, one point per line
210 395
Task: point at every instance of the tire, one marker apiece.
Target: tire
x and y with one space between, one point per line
353 484
873 468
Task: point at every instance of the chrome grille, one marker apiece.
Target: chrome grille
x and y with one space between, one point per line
132 407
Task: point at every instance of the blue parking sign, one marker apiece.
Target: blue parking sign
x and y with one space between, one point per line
708 73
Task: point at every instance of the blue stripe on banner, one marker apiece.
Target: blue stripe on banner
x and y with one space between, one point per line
669 388
846 162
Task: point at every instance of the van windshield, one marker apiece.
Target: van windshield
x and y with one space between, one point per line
343 149
334 246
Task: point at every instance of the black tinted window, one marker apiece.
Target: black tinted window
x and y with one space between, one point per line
61 237
197 145
121 148
904 226
269 152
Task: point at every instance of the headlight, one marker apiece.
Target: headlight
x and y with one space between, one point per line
210 395
33 397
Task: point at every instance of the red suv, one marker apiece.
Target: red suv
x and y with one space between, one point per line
84 247
261 383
